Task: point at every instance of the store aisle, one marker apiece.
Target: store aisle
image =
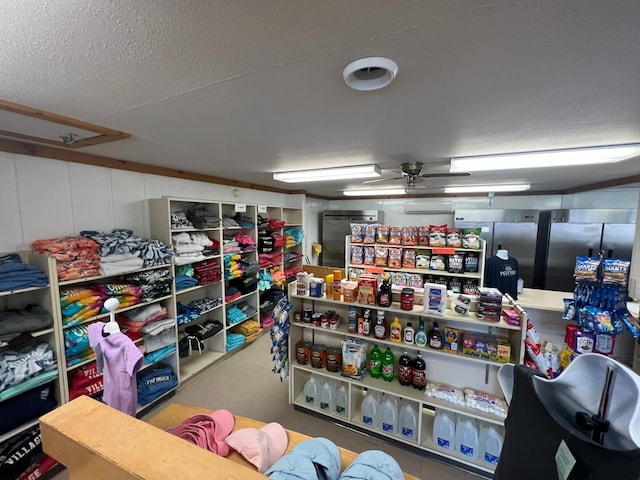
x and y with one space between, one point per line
244 384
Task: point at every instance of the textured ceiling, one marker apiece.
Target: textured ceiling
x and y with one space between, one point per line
240 89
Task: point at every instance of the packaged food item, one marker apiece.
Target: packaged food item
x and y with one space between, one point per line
471 238
511 316
451 339
357 255
435 299
414 280
401 279
615 271
485 402
438 262
381 256
461 304
566 357
354 358
455 263
409 235
423 236
423 258
585 342
406 298
587 269
316 287
395 235
454 238
357 232
445 392
471 261
438 235
385 294
369 255
382 234
395 258
349 291
370 233
409 258
454 285
318 356
367 289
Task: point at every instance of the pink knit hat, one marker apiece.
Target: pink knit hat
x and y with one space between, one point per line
207 431
262 447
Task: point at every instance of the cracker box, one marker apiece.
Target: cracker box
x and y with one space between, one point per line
349 291
367 289
451 336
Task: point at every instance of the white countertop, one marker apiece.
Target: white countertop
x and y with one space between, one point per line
551 300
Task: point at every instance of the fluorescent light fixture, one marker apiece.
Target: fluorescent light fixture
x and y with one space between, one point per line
488 188
323 174
550 158
364 193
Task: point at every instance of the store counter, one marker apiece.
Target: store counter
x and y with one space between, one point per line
97 442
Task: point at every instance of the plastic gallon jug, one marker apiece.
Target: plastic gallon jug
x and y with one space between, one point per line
408 422
370 410
467 441
389 416
490 445
342 400
328 397
311 392
444 430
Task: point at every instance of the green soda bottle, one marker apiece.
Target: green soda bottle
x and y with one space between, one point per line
375 362
388 364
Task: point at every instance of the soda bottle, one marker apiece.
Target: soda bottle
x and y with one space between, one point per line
404 369
375 362
418 373
388 364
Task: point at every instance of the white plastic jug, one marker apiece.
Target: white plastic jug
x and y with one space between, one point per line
370 410
444 430
342 401
408 422
311 390
389 416
328 397
467 438
490 445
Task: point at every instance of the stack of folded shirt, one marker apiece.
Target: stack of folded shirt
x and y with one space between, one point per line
186 250
122 242
179 220
250 329
184 281
115 263
29 318
15 274
186 313
275 223
159 354
247 309
244 221
228 222
265 242
293 236
250 267
231 293
235 315
207 272
269 259
203 305
245 242
230 245
81 303
278 239
85 380
76 345
291 273
158 334
17 367
234 340
154 382
153 283
291 256
204 330
134 320
200 217
232 267
76 257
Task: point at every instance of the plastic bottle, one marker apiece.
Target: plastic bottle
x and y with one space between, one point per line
467 439
418 373
380 328
328 397
375 362
366 322
408 334
404 369
311 390
337 284
421 337
389 416
395 330
388 365
342 400
435 337
370 408
490 445
385 294
444 430
408 422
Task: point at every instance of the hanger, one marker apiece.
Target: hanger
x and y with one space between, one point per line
580 388
111 304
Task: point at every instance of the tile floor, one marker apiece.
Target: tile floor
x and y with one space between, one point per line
245 385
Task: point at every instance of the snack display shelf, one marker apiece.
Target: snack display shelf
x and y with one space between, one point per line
421 271
419 247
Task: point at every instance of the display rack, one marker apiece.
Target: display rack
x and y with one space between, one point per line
458 370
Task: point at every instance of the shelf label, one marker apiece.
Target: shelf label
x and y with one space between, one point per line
241 207
443 251
262 209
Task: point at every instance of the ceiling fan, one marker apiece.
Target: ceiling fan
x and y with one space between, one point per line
411 172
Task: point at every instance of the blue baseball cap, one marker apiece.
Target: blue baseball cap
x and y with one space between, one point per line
373 465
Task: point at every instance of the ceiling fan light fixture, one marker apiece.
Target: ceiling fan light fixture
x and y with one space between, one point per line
327 174
544 159
364 193
370 73
517 187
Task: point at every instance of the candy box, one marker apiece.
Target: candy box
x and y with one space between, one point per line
511 317
585 342
451 339
504 352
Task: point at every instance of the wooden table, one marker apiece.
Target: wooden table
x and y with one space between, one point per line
97 442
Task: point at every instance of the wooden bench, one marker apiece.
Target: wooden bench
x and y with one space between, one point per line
97 442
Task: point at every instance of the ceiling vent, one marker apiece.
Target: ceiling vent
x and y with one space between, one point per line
370 73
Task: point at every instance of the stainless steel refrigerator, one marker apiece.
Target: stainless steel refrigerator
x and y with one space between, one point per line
585 232
336 225
512 230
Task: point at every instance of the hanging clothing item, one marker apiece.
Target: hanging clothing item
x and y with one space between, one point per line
534 433
119 359
502 274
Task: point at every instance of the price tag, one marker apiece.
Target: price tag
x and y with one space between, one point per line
565 461
241 207
262 209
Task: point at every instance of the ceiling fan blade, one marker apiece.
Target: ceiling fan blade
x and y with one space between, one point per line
445 175
377 180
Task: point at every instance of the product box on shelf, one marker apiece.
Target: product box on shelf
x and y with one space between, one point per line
367 289
486 347
490 304
450 339
354 358
349 291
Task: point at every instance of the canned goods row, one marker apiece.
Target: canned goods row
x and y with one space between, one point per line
329 319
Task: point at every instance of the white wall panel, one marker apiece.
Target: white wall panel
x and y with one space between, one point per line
155 186
180 188
129 202
44 197
91 198
11 231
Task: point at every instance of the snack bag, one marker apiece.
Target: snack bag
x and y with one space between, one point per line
423 236
382 234
422 259
357 233
615 271
471 238
401 279
454 238
381 256
357 255
409 258
370 233
456 263
409 236
587 269
369 255
471 262
395 235
395 258
438 235
438 262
